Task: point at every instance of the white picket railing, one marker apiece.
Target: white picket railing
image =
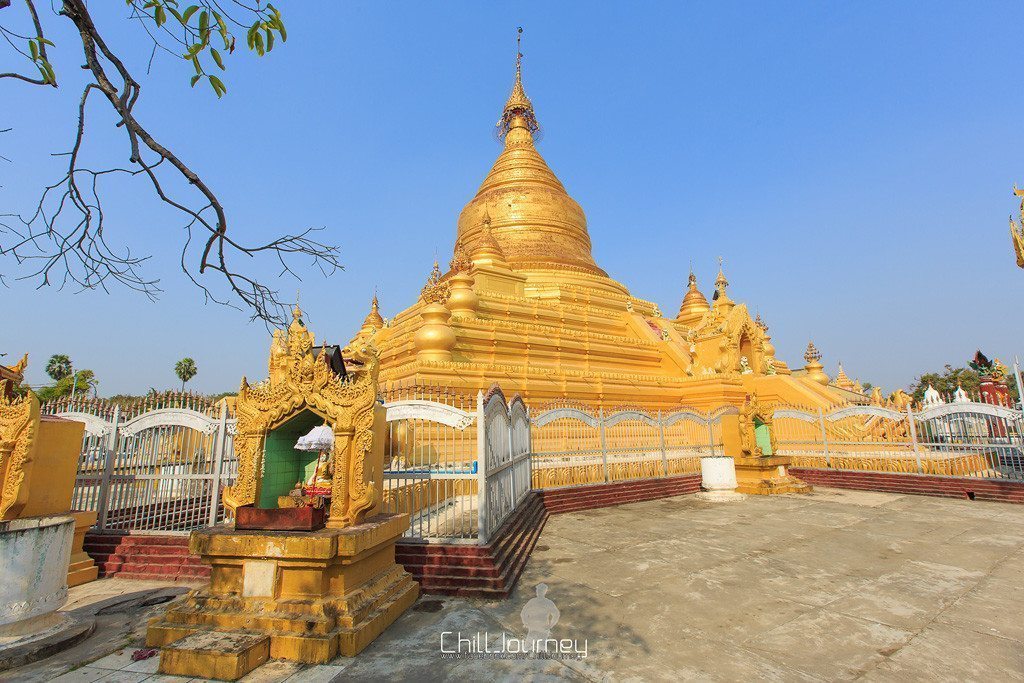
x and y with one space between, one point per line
960 439
576 445
159 471
459 473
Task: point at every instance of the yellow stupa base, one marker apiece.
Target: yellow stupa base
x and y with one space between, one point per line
82 568
767 476
311 595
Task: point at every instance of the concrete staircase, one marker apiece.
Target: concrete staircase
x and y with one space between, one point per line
469 570
484 571
572 499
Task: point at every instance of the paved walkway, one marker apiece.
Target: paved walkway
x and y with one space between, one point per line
836 585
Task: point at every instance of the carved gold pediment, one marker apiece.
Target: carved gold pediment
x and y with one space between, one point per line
299 381
19 426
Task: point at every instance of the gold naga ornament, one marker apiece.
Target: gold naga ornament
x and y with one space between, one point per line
1017 230
19 427
299 381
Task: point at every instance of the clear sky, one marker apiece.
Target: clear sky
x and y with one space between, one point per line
852 162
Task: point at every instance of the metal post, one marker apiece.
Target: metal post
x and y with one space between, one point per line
529 458
511 456
711 434
824 438
481 470
664 455
604 447
103 503
220 444
913 437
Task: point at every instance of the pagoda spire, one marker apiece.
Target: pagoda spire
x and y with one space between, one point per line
722 301
694 304
374 320
518 111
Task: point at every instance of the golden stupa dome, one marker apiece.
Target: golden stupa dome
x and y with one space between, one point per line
535 222
694 304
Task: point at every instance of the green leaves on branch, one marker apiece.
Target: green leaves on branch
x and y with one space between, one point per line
35 51
201 22
268 23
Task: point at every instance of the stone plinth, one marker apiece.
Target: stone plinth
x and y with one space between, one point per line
82 568
718 479
767 475
315 594
34 553
34 556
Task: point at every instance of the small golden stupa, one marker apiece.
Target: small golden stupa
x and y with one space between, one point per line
525 305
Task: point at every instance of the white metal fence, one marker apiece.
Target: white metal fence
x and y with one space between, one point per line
575 445
155 467
459 467
960 438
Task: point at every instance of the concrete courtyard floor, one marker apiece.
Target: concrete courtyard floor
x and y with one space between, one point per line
835 585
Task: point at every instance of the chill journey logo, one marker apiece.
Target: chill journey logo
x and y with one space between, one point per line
539 617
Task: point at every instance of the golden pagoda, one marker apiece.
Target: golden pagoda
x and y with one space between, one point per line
525 305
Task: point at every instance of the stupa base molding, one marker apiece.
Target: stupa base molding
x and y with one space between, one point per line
767 476
312 595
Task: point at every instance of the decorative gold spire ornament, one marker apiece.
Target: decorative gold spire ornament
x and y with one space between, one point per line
723 303
518 105
373 320
436 290
814 368
842 380
1017 230
460 263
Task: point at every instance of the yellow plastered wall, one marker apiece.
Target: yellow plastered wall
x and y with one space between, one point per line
51 472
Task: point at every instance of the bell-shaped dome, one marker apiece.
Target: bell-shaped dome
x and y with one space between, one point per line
694 304
537 225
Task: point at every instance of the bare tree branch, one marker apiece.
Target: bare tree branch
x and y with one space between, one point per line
64 237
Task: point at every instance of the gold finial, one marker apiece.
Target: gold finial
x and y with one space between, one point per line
460 262
518 111
297 312
435 291
812 355
692 281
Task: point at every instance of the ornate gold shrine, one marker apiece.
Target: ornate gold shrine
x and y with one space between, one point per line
305 596
299 381
749 438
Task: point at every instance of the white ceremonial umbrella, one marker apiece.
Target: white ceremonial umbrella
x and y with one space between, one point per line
319 439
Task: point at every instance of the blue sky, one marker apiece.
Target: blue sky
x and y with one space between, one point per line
852 162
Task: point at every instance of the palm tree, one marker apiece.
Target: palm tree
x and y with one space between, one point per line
185 369
58 367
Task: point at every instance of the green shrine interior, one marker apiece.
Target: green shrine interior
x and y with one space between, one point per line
283 465
763 437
